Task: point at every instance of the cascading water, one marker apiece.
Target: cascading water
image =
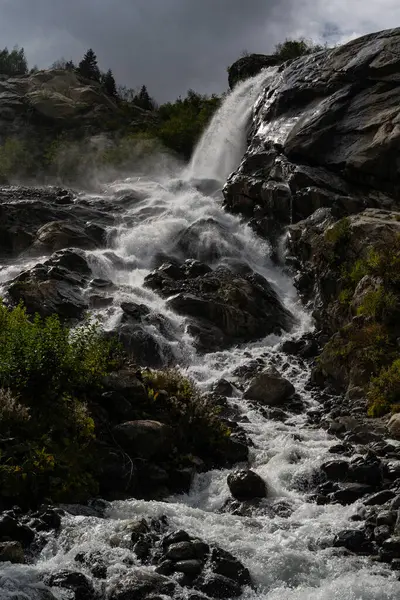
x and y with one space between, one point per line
289 556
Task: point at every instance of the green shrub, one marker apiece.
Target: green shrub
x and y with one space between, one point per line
47 374
384 391
199 429
336 239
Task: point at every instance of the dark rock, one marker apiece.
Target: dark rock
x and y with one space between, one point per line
189 567
246 485
94 562
367 470
181 551
353 540
56 286
218 586
12 530
269 388
146 439
142 549
138 585
224 388
223 563
175 537
11 552
75 582
390 549
249 66
381 533
386 517
379 498
224 307
350 492
166 567
335 470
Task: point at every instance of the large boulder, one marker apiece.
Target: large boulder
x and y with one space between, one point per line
146 439
246 485
54 286
269 388
394 426
224 307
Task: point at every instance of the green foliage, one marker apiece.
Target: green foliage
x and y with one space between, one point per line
378 304
47 373
14 62
336 239
182 122
384 391
291 49
198 427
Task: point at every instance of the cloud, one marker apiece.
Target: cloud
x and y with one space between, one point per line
174 45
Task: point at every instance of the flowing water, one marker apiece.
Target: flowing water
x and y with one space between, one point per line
289 557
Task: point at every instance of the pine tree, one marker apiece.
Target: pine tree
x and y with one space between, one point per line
143 99
14 62
88 66
109 84
69 65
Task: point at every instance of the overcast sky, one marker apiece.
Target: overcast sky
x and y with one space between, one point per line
174 45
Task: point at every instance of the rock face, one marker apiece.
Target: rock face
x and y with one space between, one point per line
52 97
324 135
269 388
225 307
249 66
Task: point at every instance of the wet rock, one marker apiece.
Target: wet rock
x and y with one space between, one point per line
78 584
390 549
224 563
47 520
224 388
379 498
246 485
181 551
269 388
218 586
11 552
57 235
350 492
138 585
175 537
95 562
367 470
12 530
386 517
353 540
189 567
224 307
335 470
381 533
146 439
56 286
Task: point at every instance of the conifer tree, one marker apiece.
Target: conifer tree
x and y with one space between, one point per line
88 66
109 84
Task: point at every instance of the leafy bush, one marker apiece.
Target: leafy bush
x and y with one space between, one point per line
384 391
336 240
290 49
14 158
197 424
47 373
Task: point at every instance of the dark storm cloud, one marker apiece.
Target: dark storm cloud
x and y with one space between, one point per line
172 45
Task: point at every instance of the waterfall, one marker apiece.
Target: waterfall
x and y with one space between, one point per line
222 145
